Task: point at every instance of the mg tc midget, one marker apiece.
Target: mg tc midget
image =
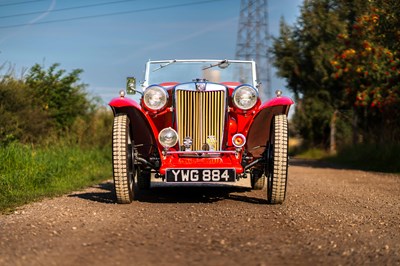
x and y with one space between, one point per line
199 121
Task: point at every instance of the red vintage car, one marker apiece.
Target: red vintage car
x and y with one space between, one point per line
199 121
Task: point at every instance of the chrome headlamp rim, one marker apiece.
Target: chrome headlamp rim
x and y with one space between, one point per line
163 133
236 94
147 97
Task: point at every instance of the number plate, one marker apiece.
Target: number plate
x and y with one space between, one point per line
200 175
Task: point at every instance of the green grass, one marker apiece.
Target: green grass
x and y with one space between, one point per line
298 150
312 153
370 157
28 174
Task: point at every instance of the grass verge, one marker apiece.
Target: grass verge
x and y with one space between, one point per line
370 157
28 174
312 153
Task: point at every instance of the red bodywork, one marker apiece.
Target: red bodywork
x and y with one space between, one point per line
254 124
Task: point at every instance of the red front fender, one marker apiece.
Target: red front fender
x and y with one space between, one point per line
260 127
143 131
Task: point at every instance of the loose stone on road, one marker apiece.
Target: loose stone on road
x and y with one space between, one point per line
330 217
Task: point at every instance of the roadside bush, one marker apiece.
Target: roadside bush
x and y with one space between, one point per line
54 137
372 157
50 105
93 130
60 94
20 118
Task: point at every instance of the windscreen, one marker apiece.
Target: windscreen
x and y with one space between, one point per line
187 71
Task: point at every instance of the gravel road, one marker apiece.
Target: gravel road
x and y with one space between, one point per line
331 217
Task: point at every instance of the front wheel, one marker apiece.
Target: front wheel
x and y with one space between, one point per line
278 160
122 157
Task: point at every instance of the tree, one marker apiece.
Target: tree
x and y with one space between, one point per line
367 63
302 56
58 93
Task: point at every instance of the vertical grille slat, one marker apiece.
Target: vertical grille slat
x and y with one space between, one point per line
200 114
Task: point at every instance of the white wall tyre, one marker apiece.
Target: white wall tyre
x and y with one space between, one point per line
278 160
122 158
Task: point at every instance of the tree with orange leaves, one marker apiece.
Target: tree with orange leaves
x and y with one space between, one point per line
367 63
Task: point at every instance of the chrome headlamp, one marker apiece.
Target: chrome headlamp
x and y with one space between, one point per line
155 97
168 137
245 97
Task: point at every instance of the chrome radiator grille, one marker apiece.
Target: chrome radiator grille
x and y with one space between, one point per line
200 115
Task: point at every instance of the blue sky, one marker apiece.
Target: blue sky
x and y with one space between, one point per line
111 47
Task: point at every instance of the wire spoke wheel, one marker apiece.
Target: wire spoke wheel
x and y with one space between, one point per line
278 160
123 157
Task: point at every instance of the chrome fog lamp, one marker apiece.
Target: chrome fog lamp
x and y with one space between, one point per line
238 140
155 97
245 97
168 137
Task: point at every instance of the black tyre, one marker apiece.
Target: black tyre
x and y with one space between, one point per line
123 167
257 180
278 160
144 179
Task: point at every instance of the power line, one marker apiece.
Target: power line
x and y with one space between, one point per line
64 9
20 3
111 14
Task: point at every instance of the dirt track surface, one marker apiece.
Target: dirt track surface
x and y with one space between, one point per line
331 217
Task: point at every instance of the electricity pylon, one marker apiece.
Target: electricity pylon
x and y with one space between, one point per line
253 41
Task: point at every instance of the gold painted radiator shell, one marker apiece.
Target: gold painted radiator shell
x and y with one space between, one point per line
200 114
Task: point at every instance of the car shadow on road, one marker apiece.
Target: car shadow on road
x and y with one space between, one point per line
164 193
314 163
104 193
161 193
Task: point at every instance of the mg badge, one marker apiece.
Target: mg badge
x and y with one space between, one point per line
201 86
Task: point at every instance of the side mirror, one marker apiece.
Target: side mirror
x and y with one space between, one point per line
131 85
